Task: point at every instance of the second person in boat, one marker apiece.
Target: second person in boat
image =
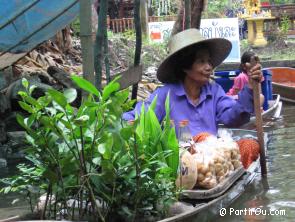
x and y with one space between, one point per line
242 79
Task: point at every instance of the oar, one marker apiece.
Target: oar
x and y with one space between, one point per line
256 95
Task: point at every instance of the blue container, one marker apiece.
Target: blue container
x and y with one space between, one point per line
266 88
226 80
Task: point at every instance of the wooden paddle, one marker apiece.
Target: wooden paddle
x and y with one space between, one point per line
259 128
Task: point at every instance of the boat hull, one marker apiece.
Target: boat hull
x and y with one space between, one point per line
274 111
283 82
287 93
208 210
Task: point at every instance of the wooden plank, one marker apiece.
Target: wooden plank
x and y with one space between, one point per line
216 191
130 77
8 59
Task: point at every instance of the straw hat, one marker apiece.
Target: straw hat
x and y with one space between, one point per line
219 49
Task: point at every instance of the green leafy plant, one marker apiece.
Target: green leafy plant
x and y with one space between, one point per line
75 25
90 160
216 9
285 26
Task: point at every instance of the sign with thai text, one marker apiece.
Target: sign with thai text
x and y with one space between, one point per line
227 28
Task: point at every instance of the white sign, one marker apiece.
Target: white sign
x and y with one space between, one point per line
227 28
160 31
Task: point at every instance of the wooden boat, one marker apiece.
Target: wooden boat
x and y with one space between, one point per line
283 82
273 112
207 209
272 105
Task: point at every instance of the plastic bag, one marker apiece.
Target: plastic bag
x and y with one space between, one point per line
221 163
188 174
230 148
205 165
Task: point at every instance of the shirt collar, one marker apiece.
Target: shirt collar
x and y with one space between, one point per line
179 89
205 91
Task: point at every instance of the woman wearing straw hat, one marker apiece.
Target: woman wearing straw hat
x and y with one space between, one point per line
186 73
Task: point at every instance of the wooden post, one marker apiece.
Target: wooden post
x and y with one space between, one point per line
259 128
86 40
256 94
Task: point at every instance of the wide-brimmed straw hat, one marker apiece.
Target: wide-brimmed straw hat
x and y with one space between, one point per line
219 49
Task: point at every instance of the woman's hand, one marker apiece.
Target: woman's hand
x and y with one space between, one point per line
255 74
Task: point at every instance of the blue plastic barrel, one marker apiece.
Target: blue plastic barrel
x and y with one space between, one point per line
266 87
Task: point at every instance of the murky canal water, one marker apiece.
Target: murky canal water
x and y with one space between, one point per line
278 200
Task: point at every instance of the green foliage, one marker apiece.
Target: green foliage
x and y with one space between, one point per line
90 154
129 34
280 36
279 2
124 44
110 34
163 7
216 9
285 25
75 25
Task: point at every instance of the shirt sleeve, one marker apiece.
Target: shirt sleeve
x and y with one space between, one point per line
161 94
234 113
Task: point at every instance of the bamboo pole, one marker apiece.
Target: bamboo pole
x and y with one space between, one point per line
86 40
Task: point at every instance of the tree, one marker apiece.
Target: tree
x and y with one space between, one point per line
197 6
144 17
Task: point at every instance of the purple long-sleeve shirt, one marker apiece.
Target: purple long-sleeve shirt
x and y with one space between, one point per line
214 107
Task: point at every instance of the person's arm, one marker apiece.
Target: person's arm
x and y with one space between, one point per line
161 94
234 113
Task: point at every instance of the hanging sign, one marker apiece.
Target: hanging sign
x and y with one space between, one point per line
227 28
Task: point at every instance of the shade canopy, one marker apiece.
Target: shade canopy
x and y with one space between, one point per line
25 24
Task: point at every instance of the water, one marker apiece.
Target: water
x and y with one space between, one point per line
12 204
277 203
279 199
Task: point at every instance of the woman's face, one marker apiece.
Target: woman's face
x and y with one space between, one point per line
201 69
